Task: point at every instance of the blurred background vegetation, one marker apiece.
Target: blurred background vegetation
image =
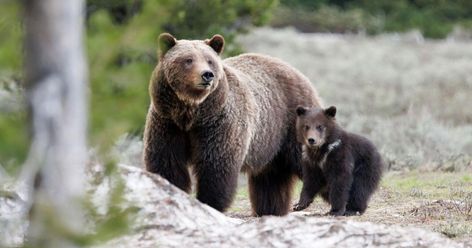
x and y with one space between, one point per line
121 46
435 18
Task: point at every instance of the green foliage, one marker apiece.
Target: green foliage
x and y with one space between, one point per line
202 19
430 18
10 36
306 4
327 19
435 18
13 132
120 10
13 144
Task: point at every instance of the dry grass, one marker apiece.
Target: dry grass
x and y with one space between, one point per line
438 201
409 95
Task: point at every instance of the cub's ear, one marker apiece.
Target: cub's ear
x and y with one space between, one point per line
330 112
166 42
301 110
217 42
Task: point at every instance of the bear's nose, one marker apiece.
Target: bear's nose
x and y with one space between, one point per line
311 141
207 76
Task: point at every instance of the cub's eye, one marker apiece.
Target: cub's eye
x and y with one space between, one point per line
319 128
307 127
188 61
210 62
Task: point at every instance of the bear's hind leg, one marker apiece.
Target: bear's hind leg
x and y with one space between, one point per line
357 201
270 191
359 196
365 182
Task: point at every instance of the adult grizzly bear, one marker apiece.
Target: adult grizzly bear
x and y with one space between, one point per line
223 117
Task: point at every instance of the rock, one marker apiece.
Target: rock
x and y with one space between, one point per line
165 216
13 213
168 217
128 149
159 203
290 231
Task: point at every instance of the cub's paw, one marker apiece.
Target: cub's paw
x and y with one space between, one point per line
300 206
336 212
352 213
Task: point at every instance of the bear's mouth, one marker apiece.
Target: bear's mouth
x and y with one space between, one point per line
312 145
204 85
194 93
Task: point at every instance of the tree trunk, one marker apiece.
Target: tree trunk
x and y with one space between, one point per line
56 96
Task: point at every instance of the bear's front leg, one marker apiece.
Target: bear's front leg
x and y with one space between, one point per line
166 151
218 155
313 181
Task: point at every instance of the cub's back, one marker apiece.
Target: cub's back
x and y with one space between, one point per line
365 153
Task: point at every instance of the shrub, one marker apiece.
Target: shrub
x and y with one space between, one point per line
327 19
435 18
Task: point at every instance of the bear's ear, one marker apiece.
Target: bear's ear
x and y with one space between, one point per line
166 42
217 42
330 112
301 110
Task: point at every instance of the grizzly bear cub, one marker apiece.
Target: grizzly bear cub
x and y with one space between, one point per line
344 168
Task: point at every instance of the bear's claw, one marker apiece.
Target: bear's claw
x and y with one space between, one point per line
300 206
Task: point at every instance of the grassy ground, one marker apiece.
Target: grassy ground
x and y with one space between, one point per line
438 201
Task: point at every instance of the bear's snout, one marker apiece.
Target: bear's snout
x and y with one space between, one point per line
207 77
311 141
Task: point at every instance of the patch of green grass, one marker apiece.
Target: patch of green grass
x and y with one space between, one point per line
466 178
431 184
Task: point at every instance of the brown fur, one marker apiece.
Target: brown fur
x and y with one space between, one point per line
243 121
344 167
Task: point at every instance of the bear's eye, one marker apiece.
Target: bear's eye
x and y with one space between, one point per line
210 62
188 61
319 128
307 128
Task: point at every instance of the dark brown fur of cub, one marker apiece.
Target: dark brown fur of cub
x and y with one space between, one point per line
344 167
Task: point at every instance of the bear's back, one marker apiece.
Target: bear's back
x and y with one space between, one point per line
271 78
275 89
